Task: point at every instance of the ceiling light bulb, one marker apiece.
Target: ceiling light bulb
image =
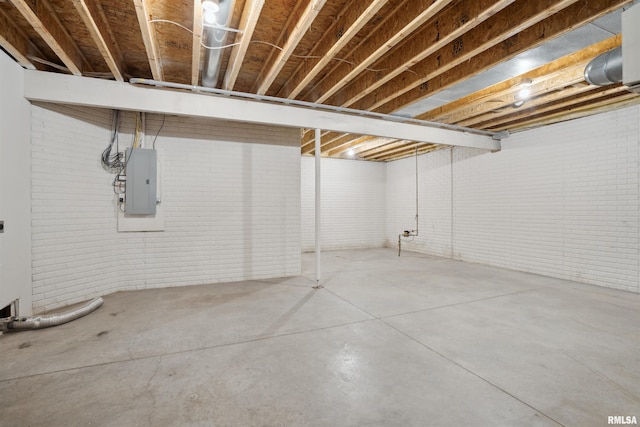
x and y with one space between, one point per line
351 152
524 93
210 8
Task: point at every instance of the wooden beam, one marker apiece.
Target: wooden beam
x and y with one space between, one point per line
576 15
382 145
95 21
569 102
300 29
539 90
196 44
448 111
507 23
248 23
326 138
349 22
355 142
438 32
411 153
149 39
46 23
407 19
344 141
14 41
619 99
387 151
536 105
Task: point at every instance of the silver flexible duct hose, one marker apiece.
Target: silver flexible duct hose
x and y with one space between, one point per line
46 321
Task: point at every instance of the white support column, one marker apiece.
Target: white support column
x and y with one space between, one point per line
318 218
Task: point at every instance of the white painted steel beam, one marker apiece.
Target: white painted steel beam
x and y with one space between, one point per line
74 90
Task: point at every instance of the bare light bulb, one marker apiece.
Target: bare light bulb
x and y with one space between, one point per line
210 8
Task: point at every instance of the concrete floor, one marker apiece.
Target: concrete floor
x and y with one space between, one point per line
410 341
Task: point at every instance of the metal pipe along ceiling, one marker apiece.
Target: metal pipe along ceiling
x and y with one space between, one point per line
214 37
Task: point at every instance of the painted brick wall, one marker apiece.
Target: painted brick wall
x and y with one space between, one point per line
231 194
560 201
353 204
434 203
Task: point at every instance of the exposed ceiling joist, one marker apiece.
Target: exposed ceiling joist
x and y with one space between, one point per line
354 145
413 14
96 23
433 35
300 29
411 152
401 57
584 103
355 16
499 27
456 110
149 38
196 44
559 23
14 42
45 22
248 24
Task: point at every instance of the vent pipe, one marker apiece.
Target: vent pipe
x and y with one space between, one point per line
605 69
215 28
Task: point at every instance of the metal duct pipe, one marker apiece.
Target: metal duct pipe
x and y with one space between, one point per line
39 322
605 69
215 34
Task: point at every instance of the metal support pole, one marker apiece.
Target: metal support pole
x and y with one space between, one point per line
318 219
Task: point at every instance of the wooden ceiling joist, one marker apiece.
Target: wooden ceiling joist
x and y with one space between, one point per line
438 32
354 145
96 23
13 41
538 90
380 147
248 23
507 23
149 38
411 16
410 153
451 111
196 44
581 100
352 19
308 144
46 23
579 13
300 29
589 109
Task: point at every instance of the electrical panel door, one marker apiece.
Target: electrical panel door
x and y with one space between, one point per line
141 172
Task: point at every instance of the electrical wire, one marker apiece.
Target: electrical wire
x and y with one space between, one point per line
164 116
111 161
234 30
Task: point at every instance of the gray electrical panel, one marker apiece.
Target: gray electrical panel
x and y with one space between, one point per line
140 190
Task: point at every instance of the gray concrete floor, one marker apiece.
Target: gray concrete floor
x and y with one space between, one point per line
410 341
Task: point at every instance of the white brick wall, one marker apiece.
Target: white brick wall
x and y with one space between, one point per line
434 203
353 204
560 200
231 198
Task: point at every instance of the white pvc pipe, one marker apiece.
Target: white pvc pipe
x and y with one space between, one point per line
318 187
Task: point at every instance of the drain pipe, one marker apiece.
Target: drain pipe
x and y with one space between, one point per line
411 233
46 321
